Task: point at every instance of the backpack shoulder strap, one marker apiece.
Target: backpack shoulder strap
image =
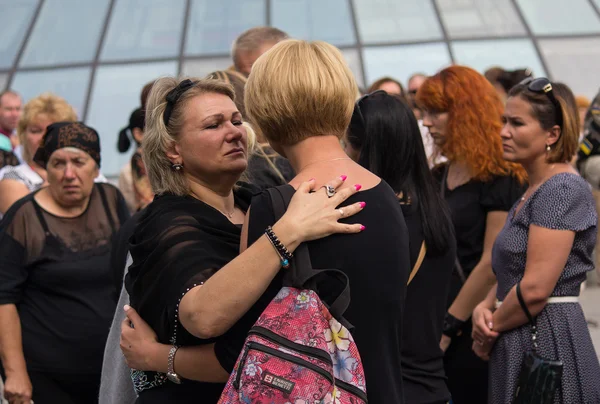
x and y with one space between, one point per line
301 273
420 259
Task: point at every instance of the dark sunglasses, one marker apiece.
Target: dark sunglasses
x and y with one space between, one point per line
543 86
361 99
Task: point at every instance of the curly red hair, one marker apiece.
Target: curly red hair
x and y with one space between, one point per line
474 120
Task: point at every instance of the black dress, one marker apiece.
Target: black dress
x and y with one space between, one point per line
469 205
376 262
178 243
56 271
422 359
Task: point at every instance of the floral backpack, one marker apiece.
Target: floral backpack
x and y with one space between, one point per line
297 352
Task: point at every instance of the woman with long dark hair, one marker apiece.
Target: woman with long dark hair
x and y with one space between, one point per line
384 137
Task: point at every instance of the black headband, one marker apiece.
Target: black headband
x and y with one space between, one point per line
173 96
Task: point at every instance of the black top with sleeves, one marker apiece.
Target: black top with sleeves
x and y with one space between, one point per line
179 242
469 205
377 264
56 271
425 306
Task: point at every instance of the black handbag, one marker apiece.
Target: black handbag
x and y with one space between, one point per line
539 378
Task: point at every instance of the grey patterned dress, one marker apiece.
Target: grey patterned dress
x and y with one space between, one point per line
563 202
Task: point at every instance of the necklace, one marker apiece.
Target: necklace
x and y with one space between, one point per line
229 215
323 161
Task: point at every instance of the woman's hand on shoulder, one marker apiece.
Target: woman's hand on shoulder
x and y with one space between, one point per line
139 342
314 215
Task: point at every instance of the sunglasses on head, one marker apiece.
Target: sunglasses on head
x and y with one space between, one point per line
543 86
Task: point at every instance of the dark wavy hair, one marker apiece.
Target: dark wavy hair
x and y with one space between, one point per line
386 132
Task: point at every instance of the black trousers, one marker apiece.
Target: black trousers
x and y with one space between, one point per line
61 388
467 374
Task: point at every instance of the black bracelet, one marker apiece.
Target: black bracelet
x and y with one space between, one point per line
283 252
452 326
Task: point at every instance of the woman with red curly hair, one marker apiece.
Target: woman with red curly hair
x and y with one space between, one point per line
463 113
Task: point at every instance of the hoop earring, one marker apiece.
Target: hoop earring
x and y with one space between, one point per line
177 167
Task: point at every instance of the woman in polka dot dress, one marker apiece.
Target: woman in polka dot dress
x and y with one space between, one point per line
546 245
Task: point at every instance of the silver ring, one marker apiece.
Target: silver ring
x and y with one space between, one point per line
341 212
329 190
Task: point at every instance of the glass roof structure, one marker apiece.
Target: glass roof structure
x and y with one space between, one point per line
99 53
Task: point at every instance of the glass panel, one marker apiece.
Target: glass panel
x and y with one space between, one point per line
312 20
115 95
3 81
67 31
352 57
200 68
396 20
546 17
476 18
509 54
71 84
401 62
574 62
16 17
144 29
214 25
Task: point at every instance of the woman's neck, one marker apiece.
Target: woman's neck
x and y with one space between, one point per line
51 203
313 151
538 171
219 197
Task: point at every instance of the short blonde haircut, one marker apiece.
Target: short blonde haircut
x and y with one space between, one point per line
299 89
56 108
160 138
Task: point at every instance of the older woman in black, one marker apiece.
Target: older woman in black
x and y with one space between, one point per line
56 286
187 280
384 137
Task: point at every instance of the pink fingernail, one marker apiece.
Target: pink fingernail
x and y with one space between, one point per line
362 228
362 204
343 177
490 325
358 187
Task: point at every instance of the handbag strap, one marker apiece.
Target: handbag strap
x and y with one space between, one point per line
301 274
532 321
457 266
418 263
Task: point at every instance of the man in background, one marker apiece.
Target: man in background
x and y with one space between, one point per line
588 159
10 113
251 44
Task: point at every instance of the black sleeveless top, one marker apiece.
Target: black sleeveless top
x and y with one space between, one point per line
56 271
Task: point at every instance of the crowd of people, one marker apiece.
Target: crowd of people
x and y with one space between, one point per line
457 207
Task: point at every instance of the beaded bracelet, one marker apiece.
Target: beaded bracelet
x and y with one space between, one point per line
283 252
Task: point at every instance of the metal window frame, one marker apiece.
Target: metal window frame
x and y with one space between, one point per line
359 46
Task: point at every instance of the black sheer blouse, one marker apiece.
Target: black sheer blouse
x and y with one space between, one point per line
56 271
178 243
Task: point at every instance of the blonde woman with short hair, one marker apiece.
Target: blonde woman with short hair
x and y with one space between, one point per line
300 96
